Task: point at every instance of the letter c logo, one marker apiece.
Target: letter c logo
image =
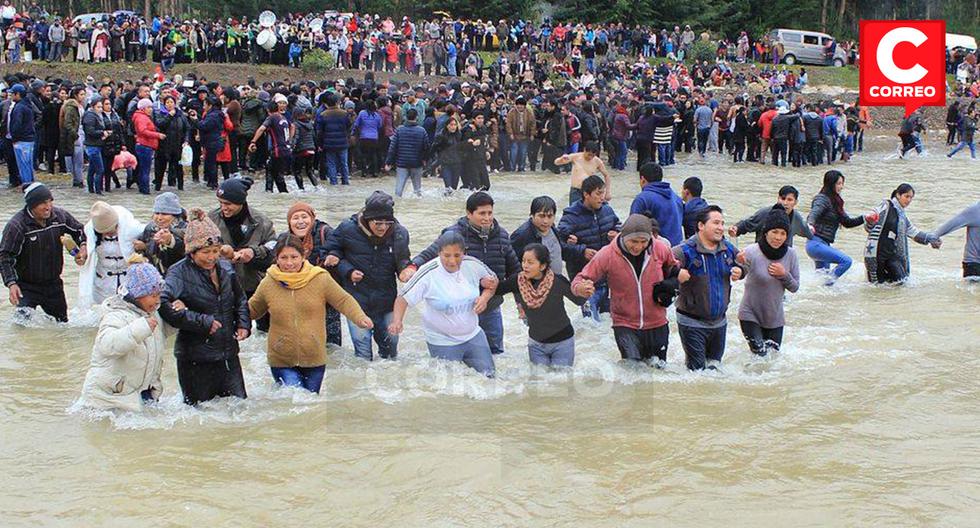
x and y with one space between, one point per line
886 48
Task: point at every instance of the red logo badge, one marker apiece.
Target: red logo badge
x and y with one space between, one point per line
903 63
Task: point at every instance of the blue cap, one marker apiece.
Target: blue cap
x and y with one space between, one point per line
17 89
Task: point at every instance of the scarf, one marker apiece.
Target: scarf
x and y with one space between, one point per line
295 281
772 253
234 225
533 296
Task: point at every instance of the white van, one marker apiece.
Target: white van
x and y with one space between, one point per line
806 47
961 41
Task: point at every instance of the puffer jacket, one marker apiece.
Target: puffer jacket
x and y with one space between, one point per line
175 127
451 148
333 128
253 115
591 227
494 250
380 260
259 236
210 128
527 234
204 304
127 357
303 140
408 147
826 220
93 125
146 131
706 295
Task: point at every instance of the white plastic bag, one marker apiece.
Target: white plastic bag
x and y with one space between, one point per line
186 156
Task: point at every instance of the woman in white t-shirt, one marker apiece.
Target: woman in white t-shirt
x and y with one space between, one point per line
450 286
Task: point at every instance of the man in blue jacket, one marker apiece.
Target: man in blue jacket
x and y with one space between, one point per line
490 244
658 201
587 226
407 152
333 128
20 132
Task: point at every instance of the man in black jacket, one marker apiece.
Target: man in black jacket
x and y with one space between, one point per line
31 255
487 242
540 229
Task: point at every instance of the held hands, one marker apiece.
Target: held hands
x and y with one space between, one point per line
590 253
395 328
82 256
683 276
241 334
584 288
407 274
215 326
489 283
572 239
736 273
936 243
163 237
366 323
244 256
331 261
178 306
733 231
480 305
356 277
871 217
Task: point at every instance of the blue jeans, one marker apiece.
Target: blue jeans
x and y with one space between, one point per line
24 154
76 163
665 153
42 50
475 353
450 176
336 161
310 378
702 345
823 255
402 174
962 145
95 169
144 162
492 324
387 343
560 354
518 154
702 135
621 151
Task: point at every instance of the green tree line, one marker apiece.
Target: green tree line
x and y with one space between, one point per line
722 17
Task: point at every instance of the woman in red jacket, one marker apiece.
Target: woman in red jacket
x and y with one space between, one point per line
147 142
224 157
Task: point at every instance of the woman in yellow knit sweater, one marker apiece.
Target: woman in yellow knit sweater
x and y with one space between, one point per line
296 294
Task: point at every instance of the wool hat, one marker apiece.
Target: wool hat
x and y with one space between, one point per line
142 278
279 98
235 190
300 206
637 226
167 203
379 206
143 104
36 193
201 232
104 217
776 219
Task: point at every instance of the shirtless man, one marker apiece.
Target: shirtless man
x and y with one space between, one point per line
585 164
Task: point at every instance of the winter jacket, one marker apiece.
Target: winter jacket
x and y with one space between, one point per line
705 296
380 260
297 335
367 125
451 148
333 128
590 227
904 230
754 224
826 220
813 126
128 231
31 252
691 210
520 124
492 249
175 127
253 115
204 304
632 303
781 126
127 358
527 234
93 125
146 131
621 127
968 218
658 201
21 126
69 122
408 146
259 236
210 128
303 140
50 130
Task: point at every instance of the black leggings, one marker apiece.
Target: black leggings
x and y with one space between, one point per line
642 345
274 174
971 269
891 270
762 340
203 381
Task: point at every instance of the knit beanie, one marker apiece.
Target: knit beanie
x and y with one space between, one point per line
143 104
637 226
201 232
235 190
104 217
167 203
142 278
776 219
300 206
379 206
36 193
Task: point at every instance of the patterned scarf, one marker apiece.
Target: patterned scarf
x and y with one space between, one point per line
535 297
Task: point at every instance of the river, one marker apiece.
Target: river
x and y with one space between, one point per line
867 417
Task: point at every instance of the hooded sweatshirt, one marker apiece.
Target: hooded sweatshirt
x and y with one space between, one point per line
658 201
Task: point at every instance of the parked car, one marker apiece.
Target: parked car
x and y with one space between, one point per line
966 42
91 18
807 47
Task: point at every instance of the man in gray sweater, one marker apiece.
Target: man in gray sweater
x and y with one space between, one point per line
970 219
789 197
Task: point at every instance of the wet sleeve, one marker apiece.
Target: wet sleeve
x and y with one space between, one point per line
10 246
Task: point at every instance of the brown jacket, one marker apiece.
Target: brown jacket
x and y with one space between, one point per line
297 335
69 118
520 123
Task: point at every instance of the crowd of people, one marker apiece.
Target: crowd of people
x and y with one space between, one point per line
213 277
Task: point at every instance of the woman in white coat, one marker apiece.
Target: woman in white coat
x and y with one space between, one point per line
110 234
124 372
